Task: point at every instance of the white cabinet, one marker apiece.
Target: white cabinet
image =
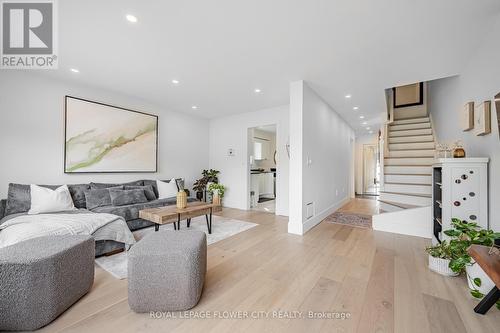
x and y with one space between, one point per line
460 190
262 184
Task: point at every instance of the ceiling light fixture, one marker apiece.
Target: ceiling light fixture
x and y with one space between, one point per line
74 70
131 18
371 132
175 81
258 91
368 128
361 117
355 108
348 96
194 107
364 123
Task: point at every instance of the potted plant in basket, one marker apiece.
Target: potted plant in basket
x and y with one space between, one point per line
217 191
463 235
440 256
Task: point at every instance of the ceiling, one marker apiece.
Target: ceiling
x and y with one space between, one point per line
221 51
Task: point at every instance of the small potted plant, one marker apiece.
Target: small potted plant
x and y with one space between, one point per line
440 256
199 187
463 235
218 192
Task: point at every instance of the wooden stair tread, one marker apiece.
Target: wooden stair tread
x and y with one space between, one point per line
398 204
409 194
398 183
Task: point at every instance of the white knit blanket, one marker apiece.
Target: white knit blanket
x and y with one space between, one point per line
26 227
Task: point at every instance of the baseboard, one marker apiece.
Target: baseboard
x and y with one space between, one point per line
315 220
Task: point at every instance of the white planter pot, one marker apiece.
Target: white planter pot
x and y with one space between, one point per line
440 266
475 271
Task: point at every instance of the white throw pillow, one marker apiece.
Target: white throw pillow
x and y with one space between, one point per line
45 200
167 190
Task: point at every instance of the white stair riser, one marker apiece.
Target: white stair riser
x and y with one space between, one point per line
410 132
418 138
408 169
408 179
409 161
410 146
406 199
411 121
411 153
409 126
389 208
405 188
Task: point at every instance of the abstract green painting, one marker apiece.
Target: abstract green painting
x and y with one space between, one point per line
105 138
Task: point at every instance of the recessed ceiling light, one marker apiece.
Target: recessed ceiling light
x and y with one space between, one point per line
194 107
74 70
348 96
361 117
175 81
368 128
258 90
371 132
364 123
355 108
131 18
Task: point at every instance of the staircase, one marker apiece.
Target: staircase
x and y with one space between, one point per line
409 155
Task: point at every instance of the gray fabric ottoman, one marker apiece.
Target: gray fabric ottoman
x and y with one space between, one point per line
166 271
40 278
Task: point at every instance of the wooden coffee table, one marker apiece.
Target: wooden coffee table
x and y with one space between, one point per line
172 214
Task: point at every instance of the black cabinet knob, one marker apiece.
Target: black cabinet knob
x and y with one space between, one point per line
457 203
458 181
464 177
472 194
473 217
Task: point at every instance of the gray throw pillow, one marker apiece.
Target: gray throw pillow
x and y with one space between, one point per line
97 186
77 192
148 191
99 197
127 197
19 198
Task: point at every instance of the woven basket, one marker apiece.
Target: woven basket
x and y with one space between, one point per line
181 199
440 266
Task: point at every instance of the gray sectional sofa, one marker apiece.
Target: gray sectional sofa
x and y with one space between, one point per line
19 202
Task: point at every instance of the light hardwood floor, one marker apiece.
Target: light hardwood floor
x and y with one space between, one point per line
380 279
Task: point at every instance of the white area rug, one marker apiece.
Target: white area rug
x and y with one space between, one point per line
221 228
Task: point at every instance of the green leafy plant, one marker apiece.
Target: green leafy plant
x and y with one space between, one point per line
217 187
463 235
208 176
441 250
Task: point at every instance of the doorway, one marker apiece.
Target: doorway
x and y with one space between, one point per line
263 159
371 170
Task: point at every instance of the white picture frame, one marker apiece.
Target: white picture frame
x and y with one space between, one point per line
482 118
467 117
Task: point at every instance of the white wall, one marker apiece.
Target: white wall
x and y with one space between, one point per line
32 133
232 132
358 164
321 165
478 82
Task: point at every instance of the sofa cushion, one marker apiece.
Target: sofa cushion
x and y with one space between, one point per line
19 198
152 182
148 191
3 203
78 194
97 186
131 212
121 197
99 197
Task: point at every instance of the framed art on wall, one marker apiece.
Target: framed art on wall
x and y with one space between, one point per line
104 138
408 95
467 117
482 118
